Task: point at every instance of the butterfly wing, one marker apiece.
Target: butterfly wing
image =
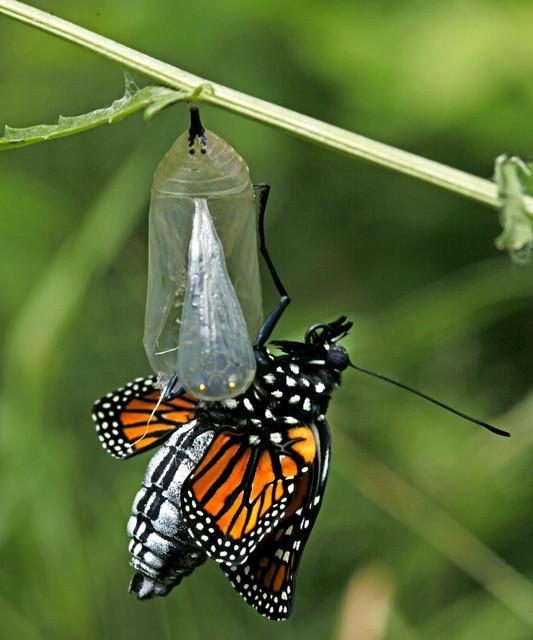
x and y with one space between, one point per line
266 580
243 486
132 419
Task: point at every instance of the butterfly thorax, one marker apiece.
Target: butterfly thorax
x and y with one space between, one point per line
284 391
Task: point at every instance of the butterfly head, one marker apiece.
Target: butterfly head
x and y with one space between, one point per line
324 337
320 345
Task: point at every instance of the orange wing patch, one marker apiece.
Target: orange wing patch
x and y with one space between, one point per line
149 420
240 490
132 420
305 444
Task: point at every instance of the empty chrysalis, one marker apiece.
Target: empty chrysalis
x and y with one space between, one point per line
204 303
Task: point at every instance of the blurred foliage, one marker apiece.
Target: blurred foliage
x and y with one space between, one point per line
151 99
413 266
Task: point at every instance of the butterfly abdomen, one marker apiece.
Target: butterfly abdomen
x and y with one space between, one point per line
162 552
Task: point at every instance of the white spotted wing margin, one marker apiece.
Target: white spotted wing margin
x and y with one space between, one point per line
266 580
134 419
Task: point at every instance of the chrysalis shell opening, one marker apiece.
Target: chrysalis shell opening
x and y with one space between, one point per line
216 175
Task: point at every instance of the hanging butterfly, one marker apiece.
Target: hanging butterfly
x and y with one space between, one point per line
240 480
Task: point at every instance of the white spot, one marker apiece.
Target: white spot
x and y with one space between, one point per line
284 597
279 369
231 403
275 437
199 526
290 420
294 399
319 387
268 414
277 394
248 405
254 439
317 499
270 378
291 382
286 556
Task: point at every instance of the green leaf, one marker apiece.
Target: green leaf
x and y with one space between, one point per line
514 178
152 99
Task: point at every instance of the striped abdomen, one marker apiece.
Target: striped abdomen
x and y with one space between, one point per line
162 551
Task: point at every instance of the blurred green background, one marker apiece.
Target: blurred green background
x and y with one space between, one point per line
427 524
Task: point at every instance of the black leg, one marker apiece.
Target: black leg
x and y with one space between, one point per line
170 393
273 317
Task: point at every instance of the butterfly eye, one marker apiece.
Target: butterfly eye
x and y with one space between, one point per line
203 305
337 358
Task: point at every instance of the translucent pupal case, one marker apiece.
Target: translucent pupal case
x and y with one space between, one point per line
192 286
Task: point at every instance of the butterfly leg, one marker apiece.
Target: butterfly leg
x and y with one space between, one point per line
170 392
273 317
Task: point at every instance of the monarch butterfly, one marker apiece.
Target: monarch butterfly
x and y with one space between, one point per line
204 293
240 480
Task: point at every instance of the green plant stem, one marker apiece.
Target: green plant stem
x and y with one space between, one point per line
460 182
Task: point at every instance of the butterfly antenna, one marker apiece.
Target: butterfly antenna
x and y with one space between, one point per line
159 401
486 425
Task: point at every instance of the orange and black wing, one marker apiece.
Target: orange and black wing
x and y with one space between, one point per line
132 419
267 579
243 487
